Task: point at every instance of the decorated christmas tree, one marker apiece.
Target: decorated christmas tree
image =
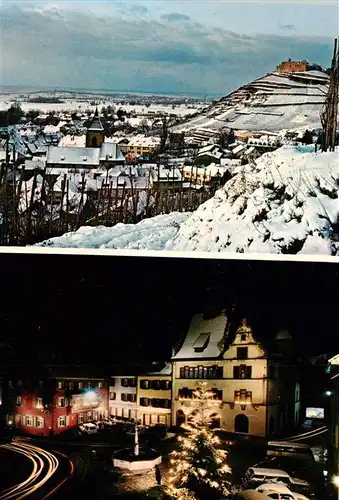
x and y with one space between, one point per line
198 470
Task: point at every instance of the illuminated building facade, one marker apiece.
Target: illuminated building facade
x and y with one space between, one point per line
123 396
54 405
247 380
154 396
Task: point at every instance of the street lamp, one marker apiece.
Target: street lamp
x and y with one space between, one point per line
328 393
90 396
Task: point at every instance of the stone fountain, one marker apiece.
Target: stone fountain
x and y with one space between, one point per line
137 460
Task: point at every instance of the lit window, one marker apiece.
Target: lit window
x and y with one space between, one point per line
19 383
80 385
62 421
18 401
39 422
38 403
28 420
100 385
80 418
60 385
112 396
61 402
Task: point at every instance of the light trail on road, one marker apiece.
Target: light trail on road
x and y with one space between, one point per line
44 463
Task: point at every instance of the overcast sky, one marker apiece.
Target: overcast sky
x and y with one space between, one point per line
196 46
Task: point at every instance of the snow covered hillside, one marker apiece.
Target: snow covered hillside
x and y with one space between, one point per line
274 102
287 202
149 234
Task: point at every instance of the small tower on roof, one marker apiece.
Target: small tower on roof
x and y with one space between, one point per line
95 133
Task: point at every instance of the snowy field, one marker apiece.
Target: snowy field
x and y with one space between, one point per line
74 105
287 202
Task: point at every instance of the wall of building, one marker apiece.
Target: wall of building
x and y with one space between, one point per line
34 415
117 406
150 415
255 410
292 67
99 136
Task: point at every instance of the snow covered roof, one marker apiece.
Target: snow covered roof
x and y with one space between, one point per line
166 370
72 141
204 338
109 151
73 156
166 174
143 141
239 148
209 148
214 155
35 164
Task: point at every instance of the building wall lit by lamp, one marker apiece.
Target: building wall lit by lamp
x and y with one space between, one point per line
90 397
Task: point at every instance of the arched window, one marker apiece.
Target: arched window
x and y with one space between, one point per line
241 424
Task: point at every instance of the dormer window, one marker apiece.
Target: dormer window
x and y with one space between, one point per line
243 337
201 342
84 158
62 158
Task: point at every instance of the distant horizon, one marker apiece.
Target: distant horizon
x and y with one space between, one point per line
33 88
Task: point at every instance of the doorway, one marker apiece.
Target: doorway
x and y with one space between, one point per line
241 424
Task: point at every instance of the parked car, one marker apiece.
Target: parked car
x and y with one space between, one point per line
280 492
307 470
288 449
106 422
249 495
256 476
88 428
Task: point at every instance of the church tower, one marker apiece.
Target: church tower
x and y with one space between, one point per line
95 133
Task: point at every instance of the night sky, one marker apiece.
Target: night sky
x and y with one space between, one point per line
114 310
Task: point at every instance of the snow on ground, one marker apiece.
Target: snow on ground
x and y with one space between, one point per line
81 106
148 234
286 202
